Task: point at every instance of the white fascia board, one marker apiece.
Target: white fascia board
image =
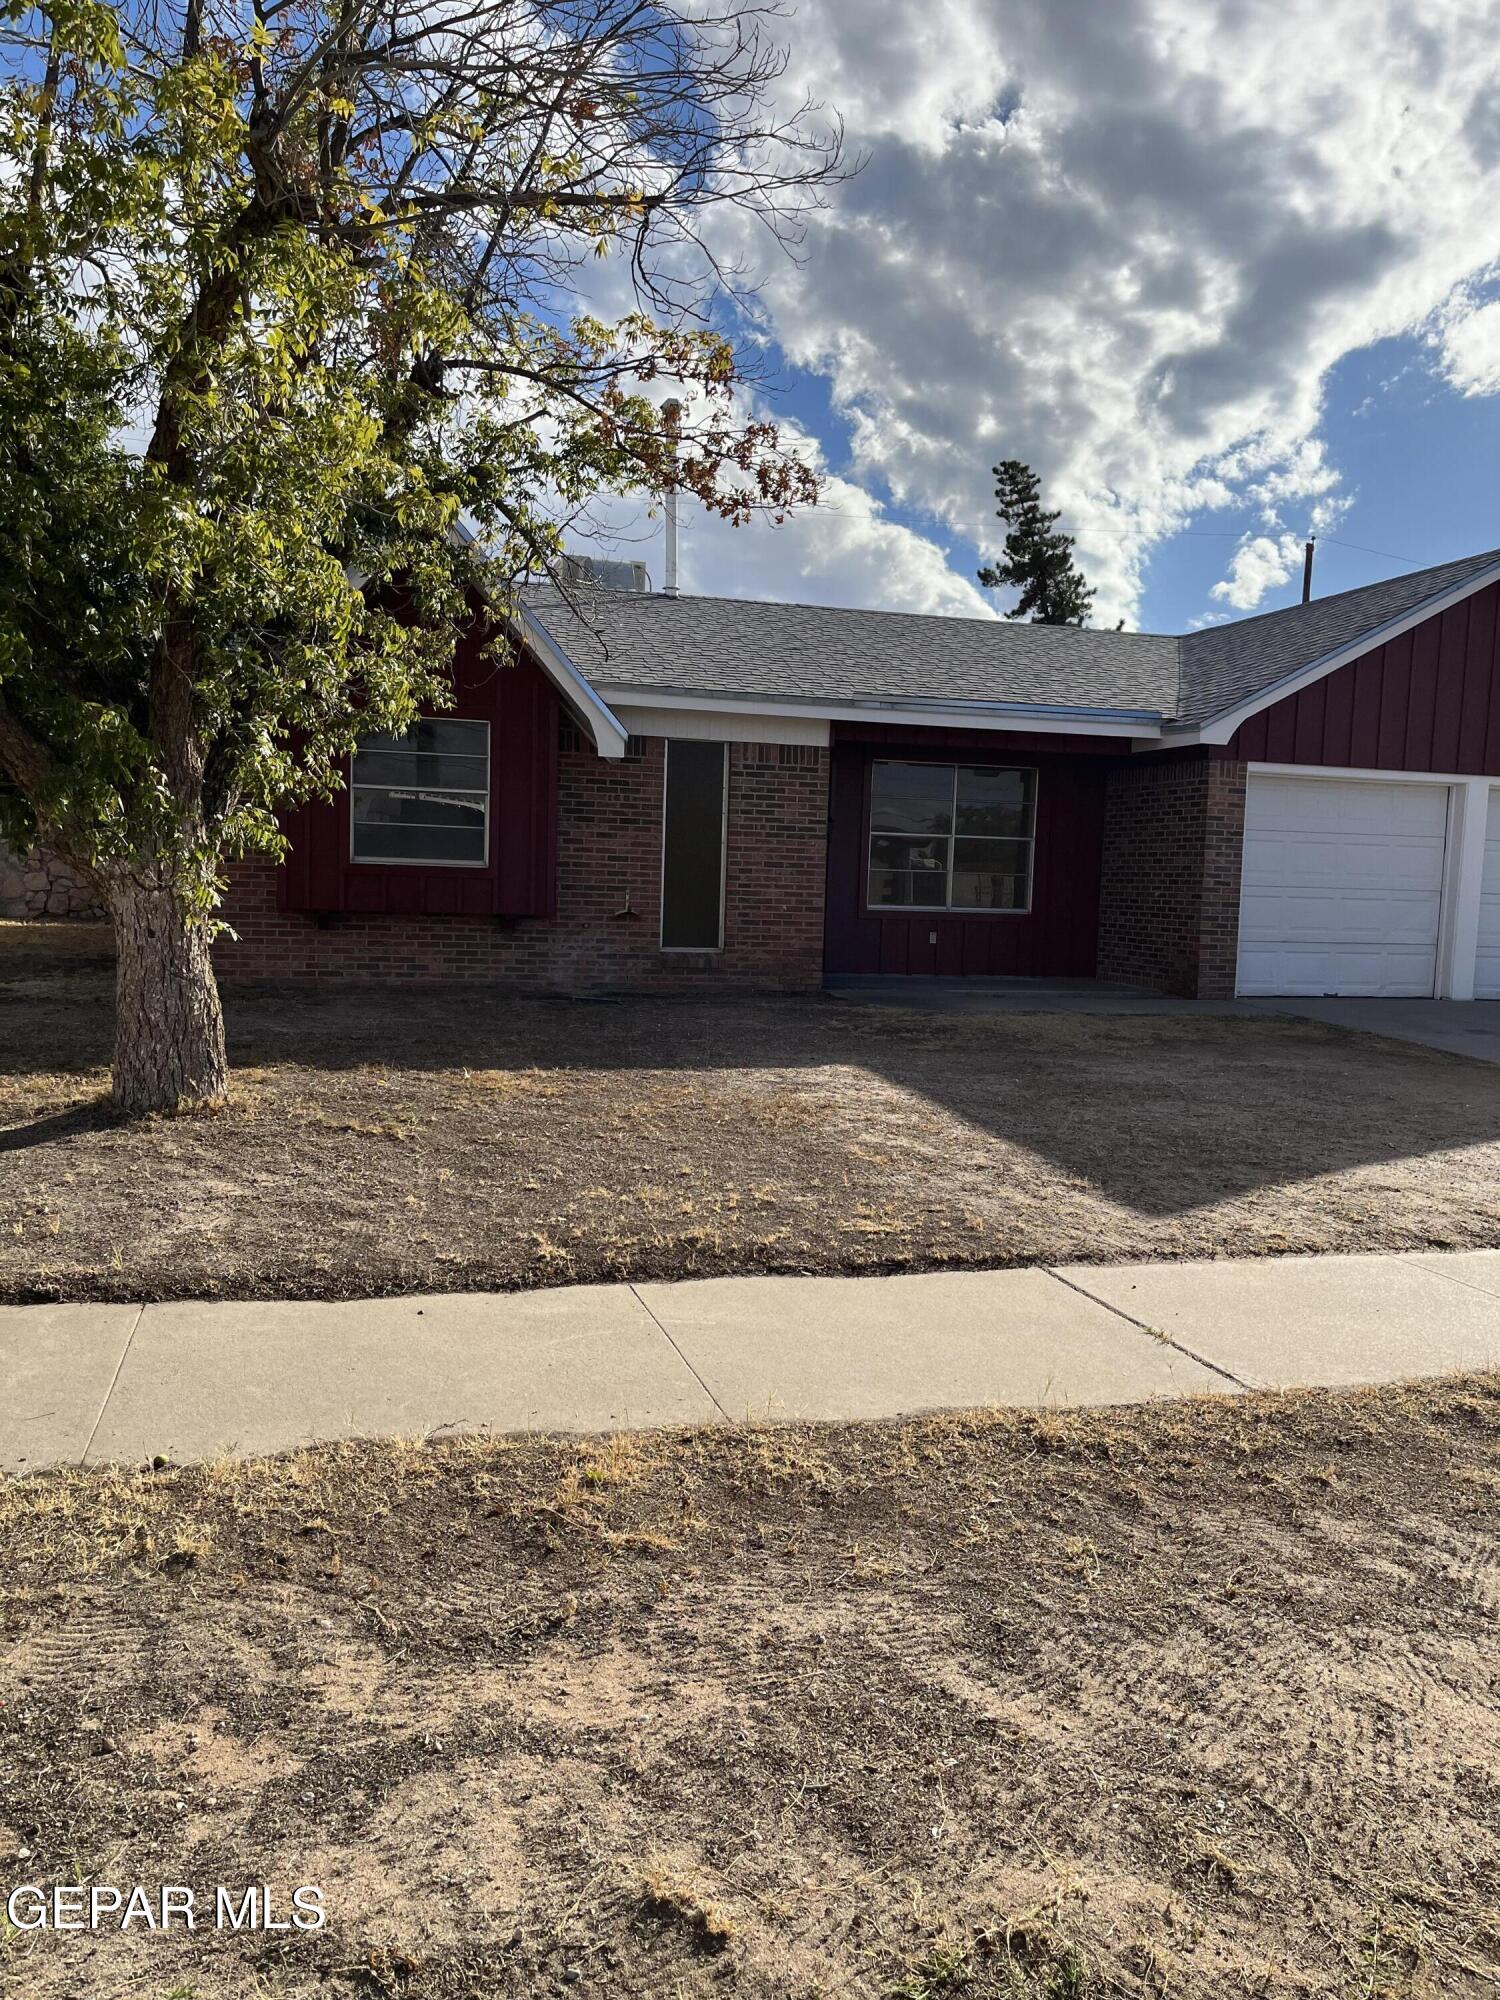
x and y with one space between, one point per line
720 726
574 687
608 732
1014 716
1219 728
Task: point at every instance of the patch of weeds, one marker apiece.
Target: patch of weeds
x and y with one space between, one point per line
385 1972
672 1898
1389 1955
1041 1962
944 1970
1217 1865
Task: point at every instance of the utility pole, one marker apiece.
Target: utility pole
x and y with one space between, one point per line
1307 556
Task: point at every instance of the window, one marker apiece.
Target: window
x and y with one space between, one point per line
423 798
692 847
951 837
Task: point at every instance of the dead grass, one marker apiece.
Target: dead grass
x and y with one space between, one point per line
384 1142
1083 1704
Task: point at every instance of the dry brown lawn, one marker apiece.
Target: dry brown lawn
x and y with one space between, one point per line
384 1142
1199 1700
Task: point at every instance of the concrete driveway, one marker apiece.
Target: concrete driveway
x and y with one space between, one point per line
1461 1027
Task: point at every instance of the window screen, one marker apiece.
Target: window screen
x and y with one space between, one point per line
692 871
423 797
951 837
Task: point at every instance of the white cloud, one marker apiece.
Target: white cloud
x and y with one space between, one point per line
1259 565
1470 347
1126 243
842 551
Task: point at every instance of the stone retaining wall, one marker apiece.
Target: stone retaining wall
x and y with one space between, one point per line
38 884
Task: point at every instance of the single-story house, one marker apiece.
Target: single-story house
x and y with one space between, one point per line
665 792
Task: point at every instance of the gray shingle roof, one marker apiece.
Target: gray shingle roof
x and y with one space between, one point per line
1224 664
732 646
738 646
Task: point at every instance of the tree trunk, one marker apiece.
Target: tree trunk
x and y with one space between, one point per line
169 1027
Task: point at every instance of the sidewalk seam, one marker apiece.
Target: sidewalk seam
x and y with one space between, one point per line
83 1456
1154 1332
1484 1291
680 1355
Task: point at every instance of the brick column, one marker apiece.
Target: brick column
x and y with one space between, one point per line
1169 915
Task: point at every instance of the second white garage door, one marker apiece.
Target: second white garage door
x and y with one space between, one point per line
1487 965
1343 886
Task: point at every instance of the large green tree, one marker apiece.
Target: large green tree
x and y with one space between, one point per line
286 287
1037 560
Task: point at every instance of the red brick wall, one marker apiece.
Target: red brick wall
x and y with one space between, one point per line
1169 912
609 862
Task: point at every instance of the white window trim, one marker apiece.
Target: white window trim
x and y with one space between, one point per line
1463 858
693 950
407 861
954 909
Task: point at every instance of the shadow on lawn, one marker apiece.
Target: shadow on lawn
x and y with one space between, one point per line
57 1125
1162 1113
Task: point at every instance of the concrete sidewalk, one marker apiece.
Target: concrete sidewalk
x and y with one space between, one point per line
96 1384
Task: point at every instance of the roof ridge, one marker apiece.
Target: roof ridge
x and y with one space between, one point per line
613 597
1179 639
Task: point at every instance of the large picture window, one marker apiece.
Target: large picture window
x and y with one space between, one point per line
423 798
951 836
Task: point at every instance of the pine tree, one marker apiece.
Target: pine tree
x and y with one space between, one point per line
1037 561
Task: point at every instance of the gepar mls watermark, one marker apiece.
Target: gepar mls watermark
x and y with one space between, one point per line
106 1906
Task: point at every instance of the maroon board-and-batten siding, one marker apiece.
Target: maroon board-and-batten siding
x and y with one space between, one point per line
1427 701
1057 937
520 879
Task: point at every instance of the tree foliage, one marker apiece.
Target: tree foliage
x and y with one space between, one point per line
1037 560
286 288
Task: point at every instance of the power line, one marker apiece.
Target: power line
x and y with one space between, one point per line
1388 554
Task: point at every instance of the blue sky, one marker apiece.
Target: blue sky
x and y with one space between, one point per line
1222 270
1420 465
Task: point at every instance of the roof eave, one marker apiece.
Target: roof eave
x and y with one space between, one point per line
576 689
1049 718
609 733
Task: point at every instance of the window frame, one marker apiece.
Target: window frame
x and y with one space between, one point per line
414 861
676 950
949 909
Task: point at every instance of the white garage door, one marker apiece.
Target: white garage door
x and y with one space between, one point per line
1487 965
1343 886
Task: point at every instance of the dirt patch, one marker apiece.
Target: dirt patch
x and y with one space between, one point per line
390 1142
1192 1701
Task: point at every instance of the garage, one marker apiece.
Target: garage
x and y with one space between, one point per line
1342 890
1487 963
